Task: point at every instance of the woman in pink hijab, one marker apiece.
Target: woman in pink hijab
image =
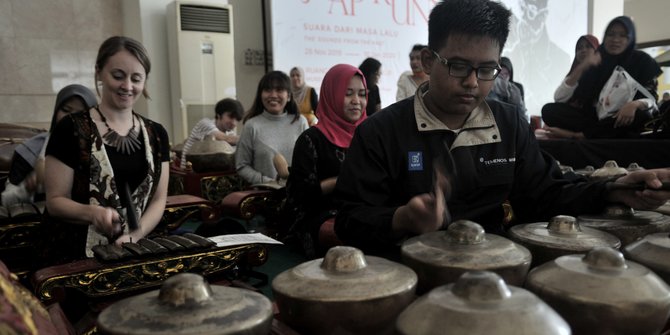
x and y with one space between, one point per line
320 150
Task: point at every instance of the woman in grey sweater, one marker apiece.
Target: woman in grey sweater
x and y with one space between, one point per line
271 128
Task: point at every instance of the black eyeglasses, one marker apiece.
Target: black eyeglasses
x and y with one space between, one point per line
462 70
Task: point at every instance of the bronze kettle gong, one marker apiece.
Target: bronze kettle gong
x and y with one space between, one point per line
187 304
480 303
626 223
652 251
561 236
345 292
602 293
441 257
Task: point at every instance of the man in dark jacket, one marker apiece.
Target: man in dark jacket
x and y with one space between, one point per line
448 154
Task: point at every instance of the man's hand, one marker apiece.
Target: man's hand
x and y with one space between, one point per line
647 199
426 212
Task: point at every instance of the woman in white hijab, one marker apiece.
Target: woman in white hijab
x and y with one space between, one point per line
304 95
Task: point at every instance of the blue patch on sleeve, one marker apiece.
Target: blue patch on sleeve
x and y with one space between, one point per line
415 161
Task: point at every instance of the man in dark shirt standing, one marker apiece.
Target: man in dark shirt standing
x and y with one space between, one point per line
449 154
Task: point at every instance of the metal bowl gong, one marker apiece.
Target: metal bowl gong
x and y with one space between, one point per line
586 171
210 155
345 292
562 235
652 251
626 223
602 293
480 303
187 304
634 167
442 257
609 170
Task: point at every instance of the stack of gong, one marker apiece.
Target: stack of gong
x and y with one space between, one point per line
459 273
580 282
471 282
210 155
347 292
464 281
622 221
579 272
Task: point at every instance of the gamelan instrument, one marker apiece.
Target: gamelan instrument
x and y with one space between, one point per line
345 292
480 302
187 304
145 264
441 257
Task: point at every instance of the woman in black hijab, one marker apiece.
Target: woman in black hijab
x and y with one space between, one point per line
26 174
580 120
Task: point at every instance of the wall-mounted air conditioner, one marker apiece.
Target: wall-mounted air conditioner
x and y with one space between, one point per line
202 62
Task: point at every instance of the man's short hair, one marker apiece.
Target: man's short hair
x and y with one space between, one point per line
417 47
468 17
229 105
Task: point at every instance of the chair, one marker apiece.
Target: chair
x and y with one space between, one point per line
248 204
180 208
20 231
212 186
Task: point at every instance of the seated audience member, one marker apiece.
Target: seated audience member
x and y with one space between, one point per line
586 56
505 89
665 97
304 95
271 127
451 154
26 174
320 150
580 116
107 168
409 81
372 70
227 112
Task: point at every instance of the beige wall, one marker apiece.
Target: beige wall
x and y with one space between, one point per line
651 19
46 45
601 13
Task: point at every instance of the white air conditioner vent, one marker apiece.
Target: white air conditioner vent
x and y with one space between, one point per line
202 18
201 50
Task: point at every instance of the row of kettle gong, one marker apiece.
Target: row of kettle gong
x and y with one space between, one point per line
470 282
466 281
622 221
609 169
